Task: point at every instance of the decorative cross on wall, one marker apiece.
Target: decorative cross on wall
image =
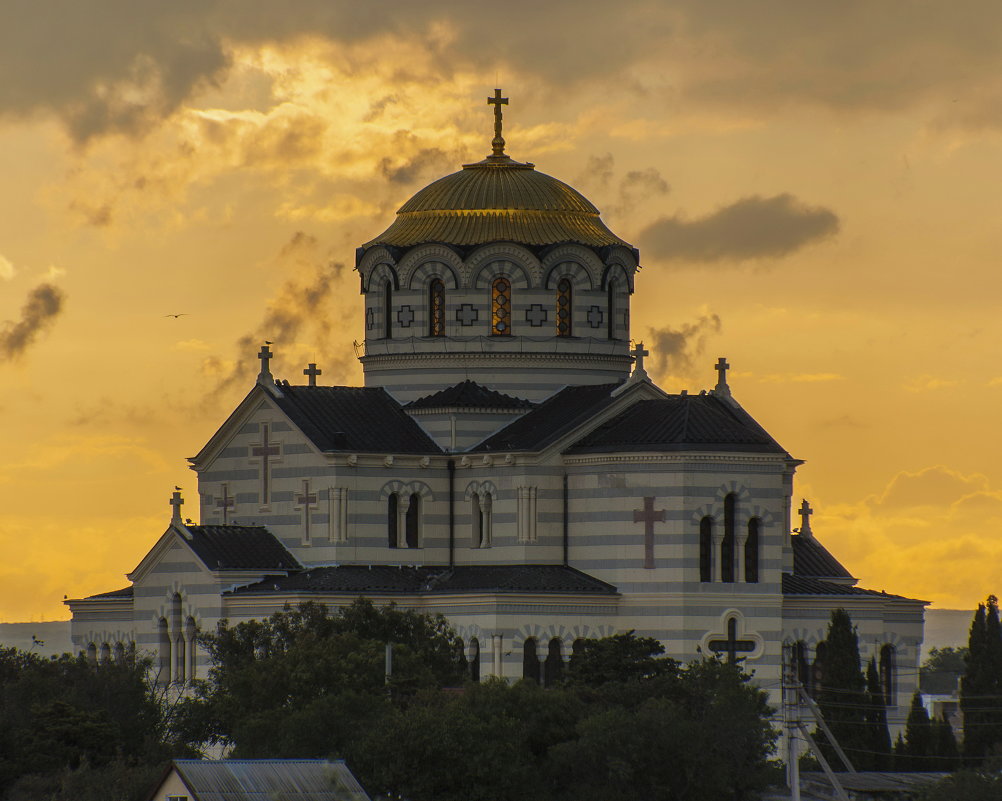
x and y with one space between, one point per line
306 499
226 503
467 314
266 450
648 517
595 316
732 645
405 316
535 315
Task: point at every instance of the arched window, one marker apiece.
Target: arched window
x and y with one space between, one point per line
119 653
177 638
388 310
611 310
530 661
501 307
706 549
476 520
474 659
105 653
818 668
436 308
577 647
191 635
92 653
751 551
392 519
727 544
163 652
887 659
412 520
565 307
803 673
553 669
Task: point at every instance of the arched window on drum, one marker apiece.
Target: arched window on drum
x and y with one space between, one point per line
436 308
501 307
565 307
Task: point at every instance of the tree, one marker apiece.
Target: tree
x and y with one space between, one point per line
940 673
919 742
981 685
967 785
621 657
880 756
842 694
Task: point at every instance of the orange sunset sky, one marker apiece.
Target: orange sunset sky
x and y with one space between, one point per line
814 189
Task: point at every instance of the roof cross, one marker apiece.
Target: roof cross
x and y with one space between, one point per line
722 366
805 518
497 101
638 354
265 355
177 503
312 371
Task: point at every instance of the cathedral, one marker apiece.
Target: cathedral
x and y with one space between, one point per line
508 463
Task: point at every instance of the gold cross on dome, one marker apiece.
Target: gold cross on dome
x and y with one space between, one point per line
497 101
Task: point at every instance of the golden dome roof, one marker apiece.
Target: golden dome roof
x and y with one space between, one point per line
497 200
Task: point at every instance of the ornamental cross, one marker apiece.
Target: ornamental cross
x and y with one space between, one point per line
226 503
306 499
312 372
176 502
805 518
638 354
265 356
722 366
497 101
265 450
648 517
732 645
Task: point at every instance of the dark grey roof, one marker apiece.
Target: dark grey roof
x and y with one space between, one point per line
292 779
239 548
806 585
365 419
555 416
811 558
469 394
680 422
437 580
896 785
124 593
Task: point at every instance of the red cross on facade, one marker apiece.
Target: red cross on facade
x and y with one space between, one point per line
648 517
225 503
266 450
306 499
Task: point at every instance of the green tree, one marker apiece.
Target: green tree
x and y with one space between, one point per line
880 756
621 657
919 738
842 694
981 685
940 673
968 785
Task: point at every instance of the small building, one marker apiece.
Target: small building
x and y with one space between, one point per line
239 779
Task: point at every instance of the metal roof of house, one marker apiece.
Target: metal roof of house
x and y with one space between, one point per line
811 558
354 419
680 422
806 585
469 394
433 580
266 779
124 593
239 548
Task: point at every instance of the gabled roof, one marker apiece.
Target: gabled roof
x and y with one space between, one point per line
554 417
469 394
125 593
292 779
365 419
680 422
433 580
805 585
239 548
811 558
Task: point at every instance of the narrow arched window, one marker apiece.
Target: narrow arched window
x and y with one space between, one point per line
501 307
818 666
105 653
474 659
565 307
392 519
477 520
119 653
530 661
727 543
611 309
706 549
436 308
191 635
92 653
553 669
886 670
177 638
800 665
751 551
412 520
388 310
163 652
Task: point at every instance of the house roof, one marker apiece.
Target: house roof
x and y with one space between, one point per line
365 419
811 558
433 580
239 548
552 418
469 394
292 779
124 593
680 422
807 585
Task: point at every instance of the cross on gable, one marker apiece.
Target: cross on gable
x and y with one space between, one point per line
265 355
266 449
638 353
648 517
535 315
226 503
805 518
732 645
176 502
312 372
497 101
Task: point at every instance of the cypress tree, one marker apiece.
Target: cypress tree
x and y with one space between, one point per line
919 738
944 745
881 757
981 685
842 694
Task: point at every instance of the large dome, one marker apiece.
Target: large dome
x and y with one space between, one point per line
497 200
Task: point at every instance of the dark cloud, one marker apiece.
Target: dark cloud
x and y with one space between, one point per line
597 172
638 186
430 161
751 228
44 304
674 351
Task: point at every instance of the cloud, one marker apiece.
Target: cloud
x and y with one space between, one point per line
6 268
800 378
429 161
928 383
44 304
933 486
751 228
675 350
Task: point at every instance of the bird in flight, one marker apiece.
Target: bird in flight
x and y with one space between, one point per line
175 316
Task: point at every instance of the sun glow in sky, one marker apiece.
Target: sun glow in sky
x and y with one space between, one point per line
813 188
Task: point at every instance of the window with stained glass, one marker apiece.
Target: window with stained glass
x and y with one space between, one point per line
564 307
436 308
501 307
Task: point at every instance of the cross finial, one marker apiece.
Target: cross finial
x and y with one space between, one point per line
805 519
498 142
638 354
312 371
176 502
264 377
722 366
